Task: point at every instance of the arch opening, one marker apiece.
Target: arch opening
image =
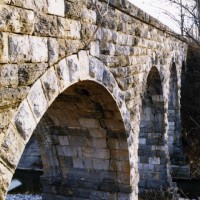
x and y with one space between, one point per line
174 130
152 144
83 146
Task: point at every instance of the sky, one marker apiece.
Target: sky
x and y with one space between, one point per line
157 9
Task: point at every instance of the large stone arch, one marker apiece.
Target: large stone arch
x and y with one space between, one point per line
78 69
153 150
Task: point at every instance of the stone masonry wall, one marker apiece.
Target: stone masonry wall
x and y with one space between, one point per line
44 49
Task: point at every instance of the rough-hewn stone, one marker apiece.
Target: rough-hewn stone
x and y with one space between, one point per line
98 129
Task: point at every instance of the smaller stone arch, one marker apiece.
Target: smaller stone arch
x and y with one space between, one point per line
152 149
174 119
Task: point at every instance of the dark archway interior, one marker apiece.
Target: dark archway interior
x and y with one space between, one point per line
174 130
152 144
83 146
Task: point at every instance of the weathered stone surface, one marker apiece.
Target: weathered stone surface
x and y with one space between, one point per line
56 7
25 121
39 5
68 28
91 132
16 20
26 49
3 47
28 73
37 100
9 75
11 96
50 84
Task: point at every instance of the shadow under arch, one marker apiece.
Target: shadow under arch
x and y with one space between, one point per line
152 150
94 88
174 119
84 145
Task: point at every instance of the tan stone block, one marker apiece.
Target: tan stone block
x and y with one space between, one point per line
19 48
10 96
5 179
123 178
3 47
17 20
98 143
117 144
50 84
69 29
12 146
88 16
122 166
63 75
25 121
97 132
9 75
37 100
122 155
37 5
29 72
5 117
89 123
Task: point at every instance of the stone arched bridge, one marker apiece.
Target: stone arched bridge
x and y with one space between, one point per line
102 98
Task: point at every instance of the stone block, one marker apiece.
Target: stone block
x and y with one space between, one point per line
122 166
38 49
94 49
88 16
63 140
17 20
56 7
8 75
63 74
73 66
5 178
89 152
69 29
12 146
5 117
25 121
39 5
78 163
53 50
3 47
37 100
96 68
89 123
154 160
97 132
19 48
50 84
98 143
117 144
29 72
100 164
122 155
84 64
11 96
45 25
